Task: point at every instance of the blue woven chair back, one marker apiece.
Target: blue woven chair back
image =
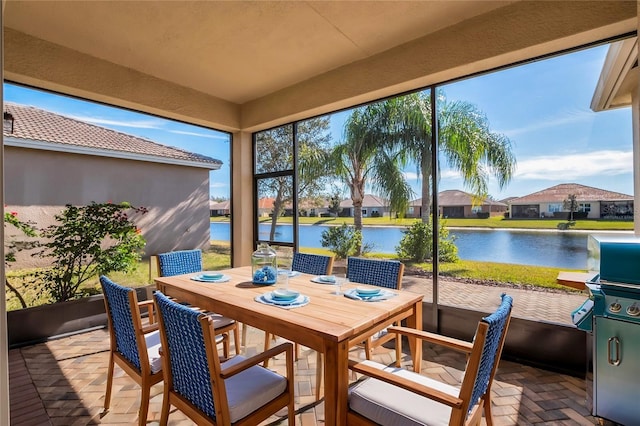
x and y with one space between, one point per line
383 273
179 262
187 353
315 264
121 317
496 322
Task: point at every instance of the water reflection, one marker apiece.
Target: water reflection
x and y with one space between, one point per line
541 248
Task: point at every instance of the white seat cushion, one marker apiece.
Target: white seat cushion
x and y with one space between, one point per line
251 389
386 404
153 350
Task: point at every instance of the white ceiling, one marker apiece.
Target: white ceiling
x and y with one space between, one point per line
237 51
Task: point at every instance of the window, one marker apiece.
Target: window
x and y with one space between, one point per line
537 133
274 178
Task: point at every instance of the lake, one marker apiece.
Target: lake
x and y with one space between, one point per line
541 248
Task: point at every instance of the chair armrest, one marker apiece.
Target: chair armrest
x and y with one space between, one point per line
257 359
149 328
449 342
411 386
150 309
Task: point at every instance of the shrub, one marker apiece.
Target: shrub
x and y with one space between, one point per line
482 215
342 240
88 241
417 243
12 245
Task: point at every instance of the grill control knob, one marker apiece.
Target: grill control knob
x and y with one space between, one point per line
633 310
615 307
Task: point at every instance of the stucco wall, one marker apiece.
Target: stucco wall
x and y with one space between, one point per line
39 183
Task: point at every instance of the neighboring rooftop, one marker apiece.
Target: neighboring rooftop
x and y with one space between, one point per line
37 128
455 197
368 200
219 205
559 193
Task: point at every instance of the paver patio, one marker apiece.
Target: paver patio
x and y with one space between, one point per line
62 382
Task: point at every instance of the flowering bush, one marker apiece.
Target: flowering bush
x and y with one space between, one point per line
88 241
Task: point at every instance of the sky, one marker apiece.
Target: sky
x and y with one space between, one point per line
212 143
542 107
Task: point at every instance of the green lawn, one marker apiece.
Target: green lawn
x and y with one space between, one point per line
494 222
218 257
521 275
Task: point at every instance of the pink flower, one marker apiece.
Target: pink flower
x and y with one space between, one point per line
14 214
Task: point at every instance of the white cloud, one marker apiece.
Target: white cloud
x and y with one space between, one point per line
450 174
411 176
444 174
572 167
138 124
571 117
218 184
202 135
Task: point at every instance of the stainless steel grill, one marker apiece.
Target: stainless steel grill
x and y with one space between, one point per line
612 314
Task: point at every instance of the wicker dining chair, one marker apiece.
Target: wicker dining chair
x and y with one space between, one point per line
134 346
393 396
211 392
189 261
314 264
381 273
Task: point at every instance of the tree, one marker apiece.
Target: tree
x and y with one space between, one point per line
570 204
274 153
369 156
417 243
12 246
465 140
87 241
334 204
342 240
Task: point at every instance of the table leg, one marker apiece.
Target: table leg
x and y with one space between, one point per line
415 321
336 382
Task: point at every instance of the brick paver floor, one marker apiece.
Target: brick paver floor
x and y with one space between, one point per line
62 382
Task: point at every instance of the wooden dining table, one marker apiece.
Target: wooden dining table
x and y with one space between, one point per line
329 323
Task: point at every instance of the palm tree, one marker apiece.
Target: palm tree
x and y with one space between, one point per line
370 156
465 140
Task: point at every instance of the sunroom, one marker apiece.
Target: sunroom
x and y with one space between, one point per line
249 67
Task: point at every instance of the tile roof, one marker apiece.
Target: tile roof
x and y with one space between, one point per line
219 205
454 197
266 202
367 201
34 124
559 193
